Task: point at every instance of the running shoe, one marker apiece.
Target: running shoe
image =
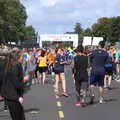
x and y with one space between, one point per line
101 100
109 88
78 104
65 94
5 110
117 80
83 103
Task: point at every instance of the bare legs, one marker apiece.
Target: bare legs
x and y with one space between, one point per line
61 77
42 77
108 81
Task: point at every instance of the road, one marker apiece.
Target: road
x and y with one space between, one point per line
42 104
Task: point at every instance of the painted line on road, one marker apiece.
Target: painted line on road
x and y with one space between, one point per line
61 114
59 104
34 112
59 107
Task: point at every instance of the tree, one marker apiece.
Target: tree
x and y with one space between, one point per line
79 30
87 32
30 33
12 20
115 30
69 32
109 28
102 27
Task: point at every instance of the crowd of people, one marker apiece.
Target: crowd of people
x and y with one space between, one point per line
21 68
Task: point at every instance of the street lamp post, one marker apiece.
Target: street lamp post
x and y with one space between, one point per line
92 40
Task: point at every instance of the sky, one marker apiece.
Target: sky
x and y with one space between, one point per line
60 16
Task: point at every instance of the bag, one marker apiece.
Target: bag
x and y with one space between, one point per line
108 65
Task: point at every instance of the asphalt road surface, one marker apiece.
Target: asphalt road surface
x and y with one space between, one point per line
42 104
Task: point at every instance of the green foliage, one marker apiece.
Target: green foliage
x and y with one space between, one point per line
102 27
87 32
109 28
79 30
12 20
30 33
115 30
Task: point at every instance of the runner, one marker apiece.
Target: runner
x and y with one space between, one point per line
98 59
42 61
109 71
36 74
81 76
59 72
51 57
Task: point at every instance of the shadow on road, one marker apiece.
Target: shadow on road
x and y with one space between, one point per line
105 101
31 110
3 117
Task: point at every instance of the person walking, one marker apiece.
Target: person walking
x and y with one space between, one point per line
98 58
59 72
109 71
80 71
13 86
42 63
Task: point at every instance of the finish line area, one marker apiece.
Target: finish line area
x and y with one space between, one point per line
58 40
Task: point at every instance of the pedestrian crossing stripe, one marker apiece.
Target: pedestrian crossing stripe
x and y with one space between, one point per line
61 114
59 104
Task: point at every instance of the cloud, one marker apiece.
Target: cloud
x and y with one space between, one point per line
60 15
49 3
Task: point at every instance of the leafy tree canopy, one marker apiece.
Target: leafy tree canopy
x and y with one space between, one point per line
12 20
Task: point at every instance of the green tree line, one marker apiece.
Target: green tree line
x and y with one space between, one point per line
108 28
13 18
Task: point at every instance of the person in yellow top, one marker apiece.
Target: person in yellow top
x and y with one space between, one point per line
42 66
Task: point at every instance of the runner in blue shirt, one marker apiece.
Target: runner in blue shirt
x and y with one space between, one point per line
98 59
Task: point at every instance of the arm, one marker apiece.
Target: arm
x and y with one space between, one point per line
63 60
18 79
90 57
